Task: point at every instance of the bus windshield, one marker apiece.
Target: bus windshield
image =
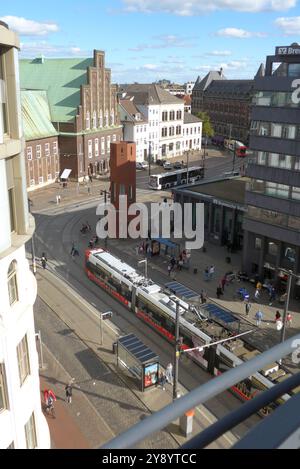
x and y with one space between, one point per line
153 181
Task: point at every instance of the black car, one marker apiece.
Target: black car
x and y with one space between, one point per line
160 162
179 165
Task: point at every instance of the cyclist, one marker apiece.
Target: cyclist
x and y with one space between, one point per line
49 397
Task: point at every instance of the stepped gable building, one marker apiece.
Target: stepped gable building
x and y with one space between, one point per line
228 104
22 422
41 152
83 106
272 223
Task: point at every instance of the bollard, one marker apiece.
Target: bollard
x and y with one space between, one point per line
186 422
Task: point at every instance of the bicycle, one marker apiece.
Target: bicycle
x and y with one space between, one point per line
50 410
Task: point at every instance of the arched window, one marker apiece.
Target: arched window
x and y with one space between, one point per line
94 120
12 283
101 119
87 121
106 118
112 117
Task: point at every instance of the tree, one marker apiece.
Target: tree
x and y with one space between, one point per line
207 129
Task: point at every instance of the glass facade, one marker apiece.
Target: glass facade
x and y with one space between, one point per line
277 130
275 99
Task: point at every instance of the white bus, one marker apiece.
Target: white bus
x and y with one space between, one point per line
176 178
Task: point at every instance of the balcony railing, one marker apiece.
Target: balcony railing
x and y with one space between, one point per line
280 429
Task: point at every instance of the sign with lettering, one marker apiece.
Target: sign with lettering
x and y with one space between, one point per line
287 50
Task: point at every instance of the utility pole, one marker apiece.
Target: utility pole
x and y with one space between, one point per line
286 305
32 243
176 353
105 200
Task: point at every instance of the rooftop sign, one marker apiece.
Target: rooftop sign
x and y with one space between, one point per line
287 50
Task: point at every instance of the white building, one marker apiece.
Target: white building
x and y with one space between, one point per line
22 423
165 116
192 132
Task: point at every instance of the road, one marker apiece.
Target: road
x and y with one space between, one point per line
214 166
55 231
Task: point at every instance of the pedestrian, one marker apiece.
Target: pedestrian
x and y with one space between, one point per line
219 292
247 308
206 274
289 319
256 294
258 317
223 282
69 391
44 260
202 297
169 269
272 295
259 286
162 380
91 178
277 316
211 272
89 190
169 373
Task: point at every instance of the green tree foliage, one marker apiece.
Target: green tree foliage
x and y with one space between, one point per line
207 129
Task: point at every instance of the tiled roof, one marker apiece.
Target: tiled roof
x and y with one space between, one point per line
235 87
151 94
61 78
190 118
204 83
36 115
132 110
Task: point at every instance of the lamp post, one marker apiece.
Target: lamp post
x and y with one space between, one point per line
32 243
145 261
176 353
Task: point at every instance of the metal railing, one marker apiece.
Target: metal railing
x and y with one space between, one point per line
201 394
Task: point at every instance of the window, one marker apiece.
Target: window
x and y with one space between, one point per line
41 180
100 119
108 143
32 182
90 148
3 389
164 116
172 115
54 147
122 189
96 147
272 248
171 131
29 153
277 190
102 145
112 117
276 130
289 131
106 123
94 120
296 193
3 109
49 177
30 433
47 149
258 243
38 150
294 70
23 359
179 115
114 138
290 254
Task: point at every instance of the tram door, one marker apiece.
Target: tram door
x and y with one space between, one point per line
133 299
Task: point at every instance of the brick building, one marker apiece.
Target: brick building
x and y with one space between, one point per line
83 106
123 175
41 153
228 104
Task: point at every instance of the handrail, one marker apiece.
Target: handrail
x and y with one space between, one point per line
200 395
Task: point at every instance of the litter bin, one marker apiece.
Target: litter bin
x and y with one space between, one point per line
186 422
115 347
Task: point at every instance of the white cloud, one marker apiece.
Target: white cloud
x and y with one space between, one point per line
38 48
150 66
164 41
197 7
219 53
29 27
238 33
290 25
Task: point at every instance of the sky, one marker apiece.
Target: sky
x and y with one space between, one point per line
149 40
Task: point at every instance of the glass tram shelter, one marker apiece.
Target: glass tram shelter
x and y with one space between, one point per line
139 360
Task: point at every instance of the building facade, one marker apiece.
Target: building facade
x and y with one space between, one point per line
272 224
192 133
22 423
166 121
227 102
41 152
83 106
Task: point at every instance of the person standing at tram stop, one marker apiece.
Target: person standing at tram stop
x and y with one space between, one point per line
289 319
258 317
44 260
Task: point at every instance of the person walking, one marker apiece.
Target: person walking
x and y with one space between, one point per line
258 317
277 316
289 319
169 373
44 260
272 295
202 297
223 283
162 380
69 391
206 274
219 292
211 272
256 294
247 308
169 269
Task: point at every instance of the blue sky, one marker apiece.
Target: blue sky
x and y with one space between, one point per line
147 40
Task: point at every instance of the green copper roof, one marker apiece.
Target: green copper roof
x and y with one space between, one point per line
36 115
61 78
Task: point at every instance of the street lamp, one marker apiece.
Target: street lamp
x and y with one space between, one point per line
145 261
103 316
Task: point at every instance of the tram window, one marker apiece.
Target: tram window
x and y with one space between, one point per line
186 339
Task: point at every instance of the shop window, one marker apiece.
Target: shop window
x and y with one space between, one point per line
258 243
290 254
272 248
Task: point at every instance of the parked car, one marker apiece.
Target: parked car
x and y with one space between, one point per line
167 165
141 165
160 162
177 165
